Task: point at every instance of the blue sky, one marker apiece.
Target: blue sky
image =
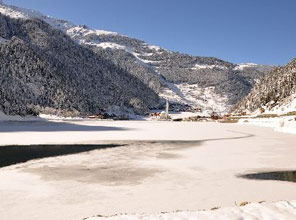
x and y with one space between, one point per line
260 31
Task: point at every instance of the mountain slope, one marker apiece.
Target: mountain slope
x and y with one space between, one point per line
188 82
275 91
172 71
41 67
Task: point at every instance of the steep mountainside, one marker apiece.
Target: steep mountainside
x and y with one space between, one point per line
276 90
42 67
188 82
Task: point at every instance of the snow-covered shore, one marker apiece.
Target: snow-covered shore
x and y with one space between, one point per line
281 118
286 124
283 210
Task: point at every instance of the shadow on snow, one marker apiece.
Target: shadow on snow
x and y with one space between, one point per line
41 126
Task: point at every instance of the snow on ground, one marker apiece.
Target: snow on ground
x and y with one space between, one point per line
282 118
185 115
158 167
288 105
4 117
285 124
283 210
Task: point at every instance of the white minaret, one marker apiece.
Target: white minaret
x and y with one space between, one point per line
167 109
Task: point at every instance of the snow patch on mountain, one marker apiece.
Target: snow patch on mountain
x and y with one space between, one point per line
146 63
287 106
110 45
10 12
204 99
204 66
152 47
253 66
280 109
242 66
79 31
103 32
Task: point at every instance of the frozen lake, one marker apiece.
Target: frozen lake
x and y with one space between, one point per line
138 166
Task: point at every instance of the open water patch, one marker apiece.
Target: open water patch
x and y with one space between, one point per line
289 176
11 155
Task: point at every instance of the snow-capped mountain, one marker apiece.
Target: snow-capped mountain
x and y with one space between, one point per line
275 92
188 82
196 82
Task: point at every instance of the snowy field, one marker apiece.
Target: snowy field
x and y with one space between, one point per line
156 167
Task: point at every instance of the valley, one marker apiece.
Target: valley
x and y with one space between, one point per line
98 125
